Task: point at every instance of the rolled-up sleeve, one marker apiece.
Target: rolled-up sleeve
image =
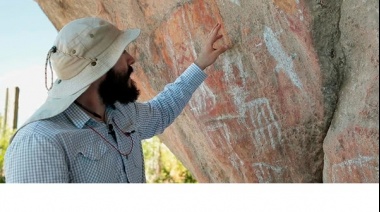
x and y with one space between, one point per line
33 158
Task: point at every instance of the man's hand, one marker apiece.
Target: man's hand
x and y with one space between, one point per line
209 53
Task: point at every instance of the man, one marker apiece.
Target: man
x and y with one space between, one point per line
90 127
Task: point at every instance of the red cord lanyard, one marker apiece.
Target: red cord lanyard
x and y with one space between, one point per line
127 134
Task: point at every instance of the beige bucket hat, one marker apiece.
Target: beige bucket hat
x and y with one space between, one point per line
84 50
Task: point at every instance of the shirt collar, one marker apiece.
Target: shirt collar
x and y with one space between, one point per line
77 116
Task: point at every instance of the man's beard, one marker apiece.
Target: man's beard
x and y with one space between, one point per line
116 88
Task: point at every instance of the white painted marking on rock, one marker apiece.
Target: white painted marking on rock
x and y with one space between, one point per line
284 62
201 97
237 2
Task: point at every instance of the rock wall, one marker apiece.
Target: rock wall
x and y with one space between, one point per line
295 100
352 143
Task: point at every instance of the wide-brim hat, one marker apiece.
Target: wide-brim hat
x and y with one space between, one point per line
84 50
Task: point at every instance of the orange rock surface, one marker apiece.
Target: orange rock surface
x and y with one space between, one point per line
295 99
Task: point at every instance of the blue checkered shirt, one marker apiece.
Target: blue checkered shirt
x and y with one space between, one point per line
71 147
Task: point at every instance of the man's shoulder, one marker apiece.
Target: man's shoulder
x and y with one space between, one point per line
36 128
41 128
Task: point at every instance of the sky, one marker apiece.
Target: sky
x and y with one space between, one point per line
26 35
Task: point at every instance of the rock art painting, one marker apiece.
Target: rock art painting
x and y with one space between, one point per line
295 99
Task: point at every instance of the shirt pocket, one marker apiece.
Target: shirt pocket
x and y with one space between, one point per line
93 163
92 150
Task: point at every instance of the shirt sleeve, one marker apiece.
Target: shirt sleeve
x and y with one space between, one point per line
32 158
157 114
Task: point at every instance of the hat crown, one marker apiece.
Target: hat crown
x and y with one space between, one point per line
91 38
79 43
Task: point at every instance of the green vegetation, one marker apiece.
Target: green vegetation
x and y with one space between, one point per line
5 135
161 166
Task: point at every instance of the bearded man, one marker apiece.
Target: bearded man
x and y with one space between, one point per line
89 129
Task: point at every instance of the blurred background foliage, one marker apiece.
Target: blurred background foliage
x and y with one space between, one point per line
161 165
5 134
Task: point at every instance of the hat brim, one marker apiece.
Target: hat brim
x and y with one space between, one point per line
65 92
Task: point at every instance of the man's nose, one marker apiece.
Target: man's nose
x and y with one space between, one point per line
130 59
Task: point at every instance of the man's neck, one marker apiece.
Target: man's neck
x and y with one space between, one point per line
91 103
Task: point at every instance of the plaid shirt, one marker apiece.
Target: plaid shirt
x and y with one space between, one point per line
72 147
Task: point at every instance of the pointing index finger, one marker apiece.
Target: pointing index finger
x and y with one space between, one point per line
214 33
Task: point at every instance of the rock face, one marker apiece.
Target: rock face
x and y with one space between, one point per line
352 143
295 100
